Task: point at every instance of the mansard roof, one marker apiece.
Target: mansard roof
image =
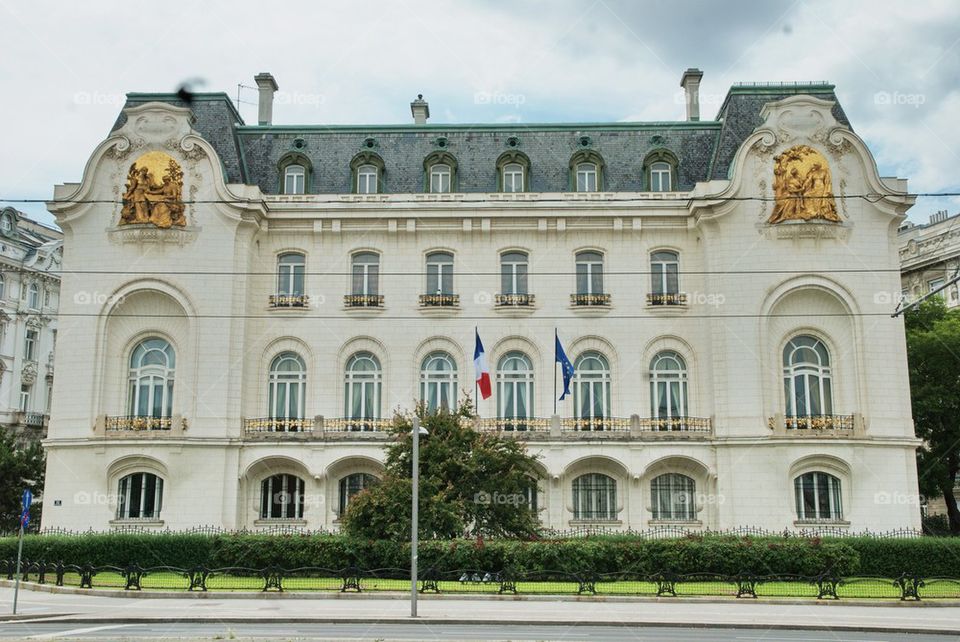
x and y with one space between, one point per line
705 149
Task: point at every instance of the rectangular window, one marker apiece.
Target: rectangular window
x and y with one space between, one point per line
440 179
586 177
513 275
936 283
30 345
25 397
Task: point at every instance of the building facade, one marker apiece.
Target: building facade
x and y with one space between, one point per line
930 257
281 290
30 257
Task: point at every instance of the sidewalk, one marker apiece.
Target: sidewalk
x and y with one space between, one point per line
94 609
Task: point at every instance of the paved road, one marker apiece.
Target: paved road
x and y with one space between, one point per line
435 632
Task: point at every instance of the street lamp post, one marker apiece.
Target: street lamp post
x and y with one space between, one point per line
415 514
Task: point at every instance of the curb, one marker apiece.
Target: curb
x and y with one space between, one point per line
392 595
427 621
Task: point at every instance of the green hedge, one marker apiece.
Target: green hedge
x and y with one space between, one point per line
712 554
923 556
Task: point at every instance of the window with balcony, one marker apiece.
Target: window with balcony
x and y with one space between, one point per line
365 281
281 497
818 497
589 269
514 267
673 497
140 496
439 286
665 279
287 386
350 486
668 387
362 385
291 269
807 381
591 389
594 497
438 382
151 379
515 389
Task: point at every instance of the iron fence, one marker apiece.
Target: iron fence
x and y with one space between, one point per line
504 581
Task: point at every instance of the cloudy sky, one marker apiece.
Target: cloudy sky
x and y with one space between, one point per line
66 67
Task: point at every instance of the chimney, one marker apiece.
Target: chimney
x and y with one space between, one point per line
420 110
691 87
267 86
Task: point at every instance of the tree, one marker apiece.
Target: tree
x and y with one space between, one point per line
471 483
20 467
933 348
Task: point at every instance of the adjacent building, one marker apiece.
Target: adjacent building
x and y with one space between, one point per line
30 257
930 257
272 293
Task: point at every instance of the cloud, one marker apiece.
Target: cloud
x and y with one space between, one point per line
556 60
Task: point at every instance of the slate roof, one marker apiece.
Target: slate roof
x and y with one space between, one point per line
252 153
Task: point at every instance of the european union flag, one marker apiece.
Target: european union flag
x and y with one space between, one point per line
565 365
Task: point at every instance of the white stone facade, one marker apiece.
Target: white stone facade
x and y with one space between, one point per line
30 257
930 257
750 289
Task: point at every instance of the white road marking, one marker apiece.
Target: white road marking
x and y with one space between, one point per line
91 629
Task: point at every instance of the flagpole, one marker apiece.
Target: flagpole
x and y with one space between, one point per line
556 338
476 394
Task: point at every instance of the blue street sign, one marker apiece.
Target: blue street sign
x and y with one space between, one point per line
25 502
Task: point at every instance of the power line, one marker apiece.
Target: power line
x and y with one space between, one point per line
342 316
872 198
463 274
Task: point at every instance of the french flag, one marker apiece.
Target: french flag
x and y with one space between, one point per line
483 372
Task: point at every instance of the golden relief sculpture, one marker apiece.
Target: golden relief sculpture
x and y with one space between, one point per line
802 187
147 201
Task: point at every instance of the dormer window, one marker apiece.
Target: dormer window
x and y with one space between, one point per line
366 169
586 177
367 179
586 171
440 178
660 171
294 179
660 177
441 173
513 169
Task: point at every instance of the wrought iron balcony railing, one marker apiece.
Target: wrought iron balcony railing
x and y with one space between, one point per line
676 424
363 300
819 422
513 300
606 424
439 300
289 301
137 423
33 419
590 299
277 424
348 424
519 424
675 298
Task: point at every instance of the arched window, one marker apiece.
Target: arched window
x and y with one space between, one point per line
513 273
350 486
673 497
440 178
586 172
818 496
512 170
515 388
366 274
287 387
281 497
660 171
806 377
589 273
665 277
362 384
294 179
33 297
139 496
438 381
660 177
440 273
152 364
594 497
367 170
591 387
668 386
290 272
